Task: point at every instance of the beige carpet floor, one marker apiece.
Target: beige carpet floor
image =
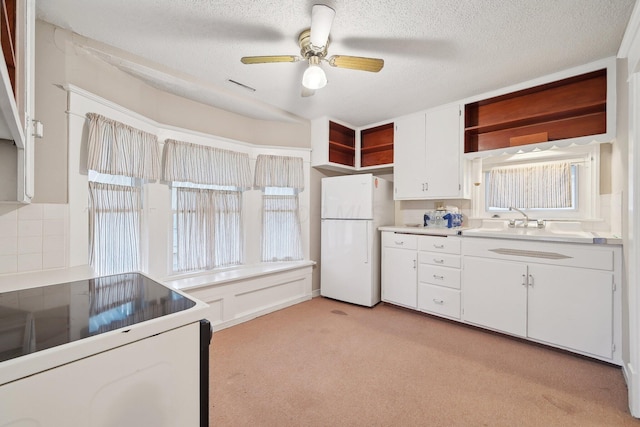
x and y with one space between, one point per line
328 363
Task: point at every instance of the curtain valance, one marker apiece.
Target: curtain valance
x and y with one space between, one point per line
544 186
200 164
118 149
279 171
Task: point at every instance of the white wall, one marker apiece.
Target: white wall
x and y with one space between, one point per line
58 62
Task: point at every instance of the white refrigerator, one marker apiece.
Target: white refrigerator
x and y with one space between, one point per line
353 207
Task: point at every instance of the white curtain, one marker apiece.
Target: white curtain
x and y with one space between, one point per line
118 149
114 222
281 234
542 186
279 171
186 162
208 228
208 221
281 230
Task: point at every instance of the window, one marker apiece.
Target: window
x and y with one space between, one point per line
555 184
207 227
280 225
119 158
207 187
533 187
281 178
115 211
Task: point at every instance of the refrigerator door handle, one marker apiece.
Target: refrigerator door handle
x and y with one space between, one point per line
366 248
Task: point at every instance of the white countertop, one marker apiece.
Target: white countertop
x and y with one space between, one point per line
548 235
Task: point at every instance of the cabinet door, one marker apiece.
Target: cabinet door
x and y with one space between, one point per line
443 142
572 308
409 157
494 294
399 277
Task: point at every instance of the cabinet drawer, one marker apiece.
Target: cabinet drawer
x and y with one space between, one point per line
442 276
449 245
441 259
401 241
439 300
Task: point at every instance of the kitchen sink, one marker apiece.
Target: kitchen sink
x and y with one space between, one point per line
563 231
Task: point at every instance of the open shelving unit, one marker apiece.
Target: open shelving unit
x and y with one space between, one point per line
8 38
342 144
376 145
567 108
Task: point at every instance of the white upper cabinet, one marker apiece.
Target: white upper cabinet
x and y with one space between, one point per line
17 103
427 155
409 157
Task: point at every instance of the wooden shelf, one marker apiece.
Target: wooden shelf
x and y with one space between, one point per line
564 109
376 148
338 146
342 144
376 145
576 111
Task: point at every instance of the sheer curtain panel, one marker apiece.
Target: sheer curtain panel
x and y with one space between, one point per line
114 222
281 234
280 178
208 183
543 186
208 228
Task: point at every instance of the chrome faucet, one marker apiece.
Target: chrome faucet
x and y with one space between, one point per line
540 223
512 223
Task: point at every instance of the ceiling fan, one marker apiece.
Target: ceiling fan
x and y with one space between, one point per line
313 43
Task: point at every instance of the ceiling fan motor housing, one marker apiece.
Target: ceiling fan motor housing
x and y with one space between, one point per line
307 50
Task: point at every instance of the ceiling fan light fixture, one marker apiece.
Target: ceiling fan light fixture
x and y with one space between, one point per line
314 76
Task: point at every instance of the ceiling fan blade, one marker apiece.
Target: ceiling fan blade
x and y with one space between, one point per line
268 59
356 63
321 20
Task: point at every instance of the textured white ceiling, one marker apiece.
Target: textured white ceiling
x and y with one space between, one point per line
435 51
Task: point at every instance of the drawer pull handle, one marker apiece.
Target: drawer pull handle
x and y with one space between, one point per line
435 276
531 280
438 246
438 261
438 301
524 280
398 243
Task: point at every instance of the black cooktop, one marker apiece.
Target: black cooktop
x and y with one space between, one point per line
39 318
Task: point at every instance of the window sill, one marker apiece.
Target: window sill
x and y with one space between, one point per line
232 274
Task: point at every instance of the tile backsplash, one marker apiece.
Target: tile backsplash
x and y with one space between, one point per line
33 237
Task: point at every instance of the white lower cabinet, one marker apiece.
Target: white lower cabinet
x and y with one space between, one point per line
439 275
571 307
560 294
495 294
399 269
